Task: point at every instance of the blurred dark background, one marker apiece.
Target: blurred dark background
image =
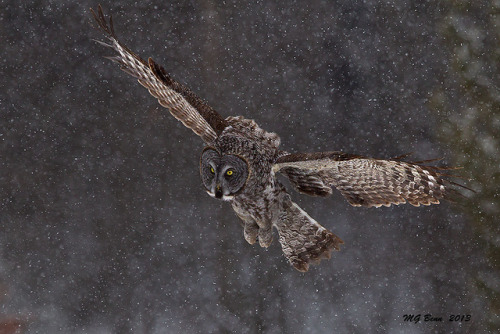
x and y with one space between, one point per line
105 227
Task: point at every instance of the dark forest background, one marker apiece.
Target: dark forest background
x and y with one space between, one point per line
105 227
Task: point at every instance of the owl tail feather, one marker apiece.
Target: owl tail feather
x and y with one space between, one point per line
302 239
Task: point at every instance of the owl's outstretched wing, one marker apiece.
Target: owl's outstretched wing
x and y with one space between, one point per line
366 181
184 105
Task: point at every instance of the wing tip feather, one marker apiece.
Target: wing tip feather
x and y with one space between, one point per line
102 23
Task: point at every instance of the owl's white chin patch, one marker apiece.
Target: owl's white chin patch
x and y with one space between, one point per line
224 197
227 198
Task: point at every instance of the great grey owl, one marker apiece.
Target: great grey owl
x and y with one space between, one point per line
240 162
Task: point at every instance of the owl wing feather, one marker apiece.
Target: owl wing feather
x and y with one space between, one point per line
365 181
183 104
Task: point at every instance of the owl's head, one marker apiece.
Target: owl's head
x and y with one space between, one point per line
223 175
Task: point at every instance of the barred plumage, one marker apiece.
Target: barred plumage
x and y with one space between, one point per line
364 181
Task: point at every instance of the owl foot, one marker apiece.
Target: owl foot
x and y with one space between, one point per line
250 231
265 236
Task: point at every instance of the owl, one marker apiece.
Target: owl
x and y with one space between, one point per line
240 162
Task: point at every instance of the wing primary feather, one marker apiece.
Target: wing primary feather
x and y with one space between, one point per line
424 161
331 155
100 19
402 156
116 59
103 43
209 114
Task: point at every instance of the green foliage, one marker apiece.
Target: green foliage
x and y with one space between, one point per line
469 115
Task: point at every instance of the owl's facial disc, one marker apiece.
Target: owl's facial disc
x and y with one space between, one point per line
223 175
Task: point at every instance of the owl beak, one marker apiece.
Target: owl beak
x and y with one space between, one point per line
218 191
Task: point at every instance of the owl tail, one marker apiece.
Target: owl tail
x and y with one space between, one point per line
302 239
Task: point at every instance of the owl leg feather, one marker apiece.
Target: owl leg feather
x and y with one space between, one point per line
265 235
302 239
250 226
250 231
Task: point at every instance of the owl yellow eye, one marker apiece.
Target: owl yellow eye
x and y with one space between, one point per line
212 170
229 173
